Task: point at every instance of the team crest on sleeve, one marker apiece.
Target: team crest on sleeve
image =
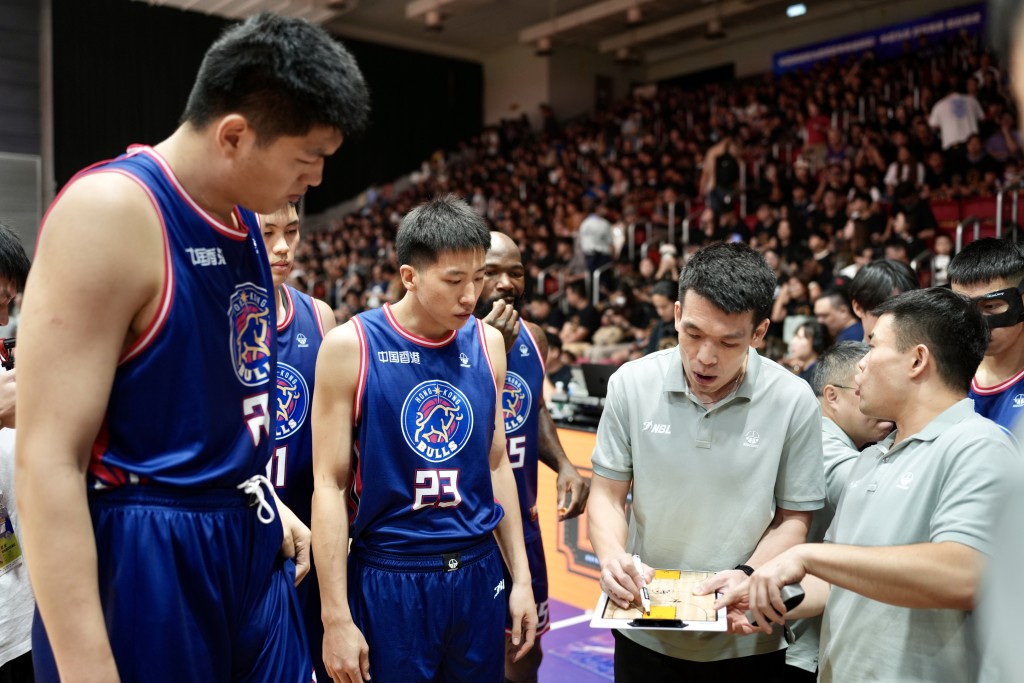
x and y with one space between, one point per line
515 402
250 316
437 420
292 400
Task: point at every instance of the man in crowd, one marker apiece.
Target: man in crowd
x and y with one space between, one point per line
16 615
730 412
875 283
833 311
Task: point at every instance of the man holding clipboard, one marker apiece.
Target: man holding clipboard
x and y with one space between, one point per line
722 449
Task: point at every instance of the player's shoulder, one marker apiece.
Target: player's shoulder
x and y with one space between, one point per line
109 193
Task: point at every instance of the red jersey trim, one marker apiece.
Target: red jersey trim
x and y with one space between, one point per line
481 332
1002 386
364 368
290 316
536 348
167 295
226 230
416 339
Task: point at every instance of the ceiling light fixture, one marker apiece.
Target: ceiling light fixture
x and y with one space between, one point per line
797 10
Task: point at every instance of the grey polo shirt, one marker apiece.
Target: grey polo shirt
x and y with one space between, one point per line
706 483
945 483
840 454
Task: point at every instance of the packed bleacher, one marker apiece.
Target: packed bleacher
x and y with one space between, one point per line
823 171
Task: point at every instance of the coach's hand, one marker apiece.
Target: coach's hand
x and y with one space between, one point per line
621 582
296 540
523 612
504 318
731 581
346 654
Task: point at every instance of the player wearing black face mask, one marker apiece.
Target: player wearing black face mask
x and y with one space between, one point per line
991 273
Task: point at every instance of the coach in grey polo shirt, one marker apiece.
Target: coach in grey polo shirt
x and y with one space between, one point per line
902 560
723 451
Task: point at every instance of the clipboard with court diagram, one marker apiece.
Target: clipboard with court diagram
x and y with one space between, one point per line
674 607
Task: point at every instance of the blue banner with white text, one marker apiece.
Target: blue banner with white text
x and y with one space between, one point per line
887 42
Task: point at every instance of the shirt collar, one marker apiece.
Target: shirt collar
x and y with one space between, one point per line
827 425
675 378
956 413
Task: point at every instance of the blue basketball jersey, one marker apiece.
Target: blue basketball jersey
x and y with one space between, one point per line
424 422
298 341
190 402
1002 403
521 401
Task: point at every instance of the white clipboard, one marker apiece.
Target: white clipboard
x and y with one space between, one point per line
674 607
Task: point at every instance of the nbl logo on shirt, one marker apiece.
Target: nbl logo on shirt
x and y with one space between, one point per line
249 313
437 420
515 402
292 400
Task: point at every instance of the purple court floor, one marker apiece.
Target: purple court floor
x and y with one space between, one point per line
572 650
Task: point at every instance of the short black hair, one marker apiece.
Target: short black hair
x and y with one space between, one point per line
985 260
950 325
14 262
285 75
814 331
838 297
665 288
444 224
733 277
880 280
837 364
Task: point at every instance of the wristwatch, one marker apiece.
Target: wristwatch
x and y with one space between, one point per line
745 568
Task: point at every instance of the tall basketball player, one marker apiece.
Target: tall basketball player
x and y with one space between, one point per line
409 461
301 324
147 378
530 434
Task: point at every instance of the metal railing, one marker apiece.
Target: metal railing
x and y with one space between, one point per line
1014 187
595 290
964 222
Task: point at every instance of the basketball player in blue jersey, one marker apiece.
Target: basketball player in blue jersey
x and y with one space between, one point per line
409 462
991 272
301 324
530 434
147 380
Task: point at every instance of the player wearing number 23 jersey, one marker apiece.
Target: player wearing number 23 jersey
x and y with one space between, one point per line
422 483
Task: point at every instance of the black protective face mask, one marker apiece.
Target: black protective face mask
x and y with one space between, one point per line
1002 308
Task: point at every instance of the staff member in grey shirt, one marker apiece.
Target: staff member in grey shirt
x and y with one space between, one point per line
899 570
845 430
722 450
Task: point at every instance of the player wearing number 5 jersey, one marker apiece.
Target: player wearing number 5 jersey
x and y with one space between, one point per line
409 461
301 322
530 433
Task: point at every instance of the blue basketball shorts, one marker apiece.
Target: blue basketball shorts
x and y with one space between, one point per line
192 589
539 578
309 603
431 617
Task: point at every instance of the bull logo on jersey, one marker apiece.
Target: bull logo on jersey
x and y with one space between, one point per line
250 316
292 400
515 402
437 420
